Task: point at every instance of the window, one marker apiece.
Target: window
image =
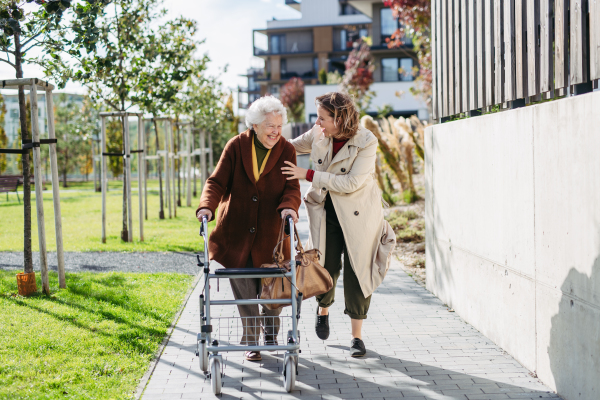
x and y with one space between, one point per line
343 39
389 69
278 44
316 65
351 35
14 113
347 9
406 66
388 23
397 69
275 90
283 66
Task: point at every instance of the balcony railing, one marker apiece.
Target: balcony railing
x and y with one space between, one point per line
291 48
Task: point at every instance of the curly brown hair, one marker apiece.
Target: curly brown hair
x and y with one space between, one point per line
343 110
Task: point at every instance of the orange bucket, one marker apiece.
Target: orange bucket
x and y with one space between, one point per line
26 283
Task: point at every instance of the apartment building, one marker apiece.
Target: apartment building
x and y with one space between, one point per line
322 38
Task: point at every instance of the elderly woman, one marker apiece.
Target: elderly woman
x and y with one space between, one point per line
252 196
344 209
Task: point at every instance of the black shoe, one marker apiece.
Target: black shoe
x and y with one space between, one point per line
357 348
322 326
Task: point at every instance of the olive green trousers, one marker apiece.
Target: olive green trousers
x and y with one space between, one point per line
356 304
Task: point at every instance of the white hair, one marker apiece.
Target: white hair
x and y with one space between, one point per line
260 108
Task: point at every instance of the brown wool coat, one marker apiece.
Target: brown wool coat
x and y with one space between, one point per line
249 215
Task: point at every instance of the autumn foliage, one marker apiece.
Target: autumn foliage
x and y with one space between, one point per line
415 20
292 96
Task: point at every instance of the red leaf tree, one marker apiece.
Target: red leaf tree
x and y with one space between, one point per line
292 96
359 75
415 20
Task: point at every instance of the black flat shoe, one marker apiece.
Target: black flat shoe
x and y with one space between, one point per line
322 326
357 348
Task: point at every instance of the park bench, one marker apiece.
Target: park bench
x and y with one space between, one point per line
10 183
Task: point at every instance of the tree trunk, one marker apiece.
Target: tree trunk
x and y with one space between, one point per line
27 252
161 212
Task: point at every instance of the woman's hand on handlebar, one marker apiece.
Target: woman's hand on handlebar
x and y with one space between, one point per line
291 213
206 212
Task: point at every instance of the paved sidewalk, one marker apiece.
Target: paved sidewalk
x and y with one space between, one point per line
416 349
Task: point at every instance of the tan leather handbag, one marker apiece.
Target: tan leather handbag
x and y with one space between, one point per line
311 278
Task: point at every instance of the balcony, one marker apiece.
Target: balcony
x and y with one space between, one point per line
299 42
295 48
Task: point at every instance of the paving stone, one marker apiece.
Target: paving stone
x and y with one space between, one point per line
416 350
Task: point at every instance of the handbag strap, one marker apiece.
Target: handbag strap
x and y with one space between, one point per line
278 256
278 250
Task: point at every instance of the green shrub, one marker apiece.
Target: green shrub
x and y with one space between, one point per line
323 76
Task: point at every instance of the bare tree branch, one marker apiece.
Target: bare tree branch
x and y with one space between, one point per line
8 62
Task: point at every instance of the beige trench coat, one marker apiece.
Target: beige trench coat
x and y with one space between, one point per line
350 181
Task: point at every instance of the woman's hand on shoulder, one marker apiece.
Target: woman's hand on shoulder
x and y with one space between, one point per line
293 171
204 212
290 212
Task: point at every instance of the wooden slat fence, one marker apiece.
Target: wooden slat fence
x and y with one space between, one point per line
501 52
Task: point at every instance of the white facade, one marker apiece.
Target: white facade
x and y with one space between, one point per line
385 94
317 13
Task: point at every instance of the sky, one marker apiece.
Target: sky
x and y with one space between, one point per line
227 27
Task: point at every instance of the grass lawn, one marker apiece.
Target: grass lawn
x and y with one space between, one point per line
93 340
81 210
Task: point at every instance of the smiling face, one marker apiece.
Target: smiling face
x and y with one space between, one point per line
269 131
326 122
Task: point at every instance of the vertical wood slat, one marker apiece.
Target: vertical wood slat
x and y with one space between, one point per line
434 80
464 39
509 50
444 52
127 173
438 49
594 6
60 254
520 49
489 54
457 60
532 48
37 176
103 178
141 174
546 59
480 53
576 40
561 36
473 37
498 70
450 43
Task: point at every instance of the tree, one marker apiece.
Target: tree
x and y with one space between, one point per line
74 144
359 76
292 96
40 26
415 21
112 63
3 137
168 64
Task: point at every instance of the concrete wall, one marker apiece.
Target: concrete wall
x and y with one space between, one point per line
385 94
513 234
